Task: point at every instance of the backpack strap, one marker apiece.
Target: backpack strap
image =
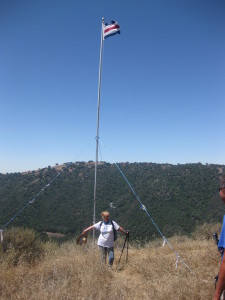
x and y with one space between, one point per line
112 226
114 231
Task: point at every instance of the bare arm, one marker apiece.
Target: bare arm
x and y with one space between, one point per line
221 281
87 229
121 229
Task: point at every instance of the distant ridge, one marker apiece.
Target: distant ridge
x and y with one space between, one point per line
179 197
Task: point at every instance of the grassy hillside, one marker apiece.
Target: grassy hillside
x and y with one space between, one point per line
75 272
178 197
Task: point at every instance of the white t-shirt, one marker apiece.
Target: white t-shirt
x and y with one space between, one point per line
106 237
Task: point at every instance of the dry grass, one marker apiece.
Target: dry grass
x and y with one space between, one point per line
75 272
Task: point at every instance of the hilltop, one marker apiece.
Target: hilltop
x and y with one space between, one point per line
178 197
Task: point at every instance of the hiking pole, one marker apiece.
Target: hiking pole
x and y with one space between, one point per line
215 237
221 250
126 241
128 235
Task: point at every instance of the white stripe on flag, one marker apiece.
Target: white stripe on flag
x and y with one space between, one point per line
111 30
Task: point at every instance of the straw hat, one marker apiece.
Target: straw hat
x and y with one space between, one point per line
81 239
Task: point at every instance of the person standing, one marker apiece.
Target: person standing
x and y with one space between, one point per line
220 286
107 236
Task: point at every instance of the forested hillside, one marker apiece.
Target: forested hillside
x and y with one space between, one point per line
178 197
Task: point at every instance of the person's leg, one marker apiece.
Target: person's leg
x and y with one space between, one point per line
111 255
103 252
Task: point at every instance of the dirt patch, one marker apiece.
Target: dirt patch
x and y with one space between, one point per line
55 234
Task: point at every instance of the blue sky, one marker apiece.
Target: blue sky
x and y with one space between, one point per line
162 96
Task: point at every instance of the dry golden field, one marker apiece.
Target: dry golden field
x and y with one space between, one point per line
75 272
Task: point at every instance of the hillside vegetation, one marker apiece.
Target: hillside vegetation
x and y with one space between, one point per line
178 197
75 272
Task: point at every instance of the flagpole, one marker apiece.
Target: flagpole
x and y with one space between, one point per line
97 136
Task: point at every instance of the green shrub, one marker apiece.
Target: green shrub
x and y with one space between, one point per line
21 246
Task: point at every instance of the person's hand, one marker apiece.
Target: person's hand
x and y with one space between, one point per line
127 232
221 250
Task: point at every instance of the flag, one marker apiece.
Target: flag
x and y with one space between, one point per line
110 29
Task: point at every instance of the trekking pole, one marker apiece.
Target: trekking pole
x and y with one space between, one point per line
215 237
221 250
128 235
126 241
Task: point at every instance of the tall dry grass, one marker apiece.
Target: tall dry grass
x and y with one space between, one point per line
75 272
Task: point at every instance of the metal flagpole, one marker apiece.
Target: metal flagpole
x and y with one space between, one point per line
97 136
